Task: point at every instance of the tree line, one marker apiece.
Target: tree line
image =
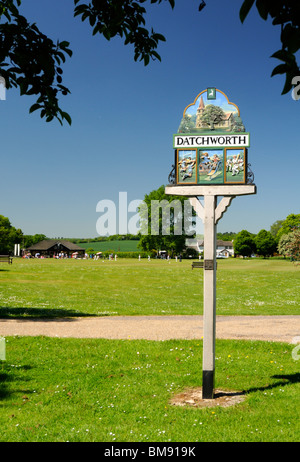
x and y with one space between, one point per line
113 237
283 238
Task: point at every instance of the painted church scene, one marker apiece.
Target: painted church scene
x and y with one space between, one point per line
211 111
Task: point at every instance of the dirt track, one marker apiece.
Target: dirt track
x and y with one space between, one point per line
268 328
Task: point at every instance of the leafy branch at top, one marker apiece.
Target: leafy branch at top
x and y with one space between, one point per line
31 61
285 13
126 19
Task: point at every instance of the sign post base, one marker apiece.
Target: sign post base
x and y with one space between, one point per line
208 384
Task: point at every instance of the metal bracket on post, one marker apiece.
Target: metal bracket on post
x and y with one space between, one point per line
208 264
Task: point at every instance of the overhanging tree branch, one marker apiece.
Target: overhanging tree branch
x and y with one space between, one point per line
285 13
126 19
31 61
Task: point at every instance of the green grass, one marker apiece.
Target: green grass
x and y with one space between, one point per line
55 389
130 287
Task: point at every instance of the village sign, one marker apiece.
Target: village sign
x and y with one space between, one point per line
211 161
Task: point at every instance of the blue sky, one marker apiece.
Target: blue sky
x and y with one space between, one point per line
124 117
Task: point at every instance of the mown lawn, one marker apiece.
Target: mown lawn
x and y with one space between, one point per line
54 389
73 390
157 287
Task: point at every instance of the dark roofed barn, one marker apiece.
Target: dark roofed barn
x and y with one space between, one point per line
51 247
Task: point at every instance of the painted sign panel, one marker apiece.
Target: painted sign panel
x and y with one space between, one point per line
211 166
211 142
187 161
235 166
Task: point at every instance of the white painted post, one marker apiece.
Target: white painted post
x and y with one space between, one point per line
209 297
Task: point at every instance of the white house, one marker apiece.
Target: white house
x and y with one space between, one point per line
224 248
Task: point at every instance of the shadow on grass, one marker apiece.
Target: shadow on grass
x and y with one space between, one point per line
39 313
287 379
11 376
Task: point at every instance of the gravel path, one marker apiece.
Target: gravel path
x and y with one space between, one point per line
268 328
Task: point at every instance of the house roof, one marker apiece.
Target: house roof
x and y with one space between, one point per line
219 243
225 243
228 115
47 244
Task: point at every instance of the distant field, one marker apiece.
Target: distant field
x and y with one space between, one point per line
116 246
131 287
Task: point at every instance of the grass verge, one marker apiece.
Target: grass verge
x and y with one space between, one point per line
112 390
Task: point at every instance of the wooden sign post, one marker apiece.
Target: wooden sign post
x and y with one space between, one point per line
210 213
210 162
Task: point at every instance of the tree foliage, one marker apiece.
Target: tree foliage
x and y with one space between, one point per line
161 232
275 227
244 244
212 115
31 61
125 19
265 243
9 236
227 236
29 239
288 225
289 245
282 245
286 14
